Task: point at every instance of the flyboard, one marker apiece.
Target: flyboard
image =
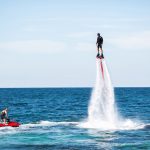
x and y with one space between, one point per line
101 64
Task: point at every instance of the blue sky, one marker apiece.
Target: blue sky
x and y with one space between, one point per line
46 43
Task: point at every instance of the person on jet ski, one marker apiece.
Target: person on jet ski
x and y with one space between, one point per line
99 44
4 115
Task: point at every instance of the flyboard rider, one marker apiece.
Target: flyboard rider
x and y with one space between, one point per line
99 44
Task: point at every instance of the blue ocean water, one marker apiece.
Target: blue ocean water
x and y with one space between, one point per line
50 119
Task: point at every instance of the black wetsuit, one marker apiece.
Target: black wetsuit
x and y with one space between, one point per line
3 115
99 42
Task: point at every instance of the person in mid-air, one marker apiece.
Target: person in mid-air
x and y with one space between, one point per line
99 44
4 115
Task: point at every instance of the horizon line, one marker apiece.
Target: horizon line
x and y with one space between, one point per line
73 87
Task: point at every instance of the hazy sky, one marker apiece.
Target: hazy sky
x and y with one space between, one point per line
51 43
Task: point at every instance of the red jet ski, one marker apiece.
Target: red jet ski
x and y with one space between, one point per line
10 124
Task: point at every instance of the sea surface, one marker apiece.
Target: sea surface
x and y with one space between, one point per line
50 119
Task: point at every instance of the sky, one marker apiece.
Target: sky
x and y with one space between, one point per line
47 43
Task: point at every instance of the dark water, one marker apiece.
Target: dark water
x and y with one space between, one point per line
50 119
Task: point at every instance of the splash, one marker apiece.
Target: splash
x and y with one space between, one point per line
102 110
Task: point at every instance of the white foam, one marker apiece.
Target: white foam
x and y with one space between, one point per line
34 127
102 111
127 124
38 127
47 123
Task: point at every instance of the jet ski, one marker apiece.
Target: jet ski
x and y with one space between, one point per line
10 124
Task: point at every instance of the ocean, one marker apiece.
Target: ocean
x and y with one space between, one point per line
50 119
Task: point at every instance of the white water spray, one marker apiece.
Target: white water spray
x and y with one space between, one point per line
102 112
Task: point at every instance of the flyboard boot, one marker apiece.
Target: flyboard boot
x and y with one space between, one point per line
100 56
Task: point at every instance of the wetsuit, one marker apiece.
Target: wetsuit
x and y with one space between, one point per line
3 115
99 42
